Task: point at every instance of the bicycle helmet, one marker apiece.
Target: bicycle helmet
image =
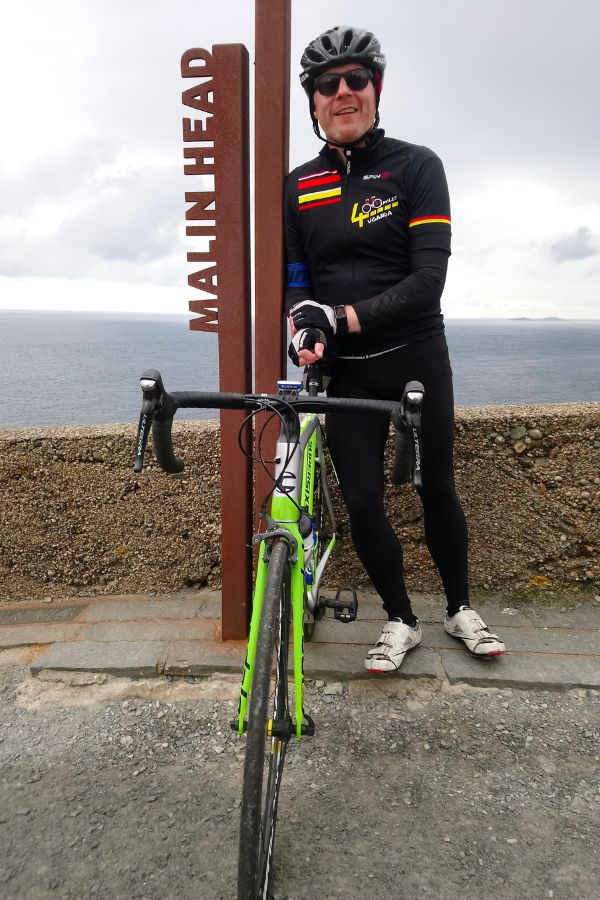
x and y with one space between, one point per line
342 44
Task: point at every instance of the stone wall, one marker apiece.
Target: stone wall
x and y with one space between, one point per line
74 519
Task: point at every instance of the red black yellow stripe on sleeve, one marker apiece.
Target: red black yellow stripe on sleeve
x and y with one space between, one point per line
429 220
319 189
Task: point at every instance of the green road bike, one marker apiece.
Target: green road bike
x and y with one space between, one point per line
294 547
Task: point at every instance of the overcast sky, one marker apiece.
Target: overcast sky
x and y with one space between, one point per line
91 181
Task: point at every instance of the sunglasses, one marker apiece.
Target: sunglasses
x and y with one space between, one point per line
356 79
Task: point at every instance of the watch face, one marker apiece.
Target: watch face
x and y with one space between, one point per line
341 318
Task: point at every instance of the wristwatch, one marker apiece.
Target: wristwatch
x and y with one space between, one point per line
341 320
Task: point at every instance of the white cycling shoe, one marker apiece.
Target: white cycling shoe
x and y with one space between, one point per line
391 648
469 627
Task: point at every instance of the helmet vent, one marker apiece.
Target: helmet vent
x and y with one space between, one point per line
348 35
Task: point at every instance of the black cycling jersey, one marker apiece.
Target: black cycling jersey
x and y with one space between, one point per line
374 233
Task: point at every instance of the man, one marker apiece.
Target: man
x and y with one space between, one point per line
368 241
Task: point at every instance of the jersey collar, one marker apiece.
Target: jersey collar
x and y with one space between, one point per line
359 156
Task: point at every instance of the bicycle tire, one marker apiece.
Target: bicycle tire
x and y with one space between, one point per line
265 756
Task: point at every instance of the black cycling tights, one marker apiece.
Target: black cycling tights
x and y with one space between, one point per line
357 443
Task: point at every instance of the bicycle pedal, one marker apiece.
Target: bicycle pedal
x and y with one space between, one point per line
344 610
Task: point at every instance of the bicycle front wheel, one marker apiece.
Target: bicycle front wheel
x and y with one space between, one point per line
268 712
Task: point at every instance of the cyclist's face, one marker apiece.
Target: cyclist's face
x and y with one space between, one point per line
348 114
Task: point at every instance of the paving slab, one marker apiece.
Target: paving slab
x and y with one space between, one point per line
574 617
505 616
539 640
29 615
202 657
533 640
523 670
585 642
369 608
40 633
347 661
198 628
130 658
494 615
207 604
431 608
363 632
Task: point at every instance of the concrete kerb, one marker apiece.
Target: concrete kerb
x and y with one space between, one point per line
131 659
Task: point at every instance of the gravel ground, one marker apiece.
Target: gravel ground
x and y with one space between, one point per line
449 793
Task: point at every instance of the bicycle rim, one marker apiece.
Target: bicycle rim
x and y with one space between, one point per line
265 756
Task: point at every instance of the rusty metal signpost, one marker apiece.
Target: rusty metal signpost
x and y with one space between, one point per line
216 149
271 143
217 144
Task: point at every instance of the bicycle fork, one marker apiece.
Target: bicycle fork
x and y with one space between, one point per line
282 526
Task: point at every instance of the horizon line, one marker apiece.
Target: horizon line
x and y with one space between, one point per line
191 316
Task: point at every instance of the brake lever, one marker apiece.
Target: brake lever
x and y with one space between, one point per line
153 389
412 402
406 417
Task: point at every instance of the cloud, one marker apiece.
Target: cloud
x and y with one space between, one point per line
578 244
134 216
116 222
56 174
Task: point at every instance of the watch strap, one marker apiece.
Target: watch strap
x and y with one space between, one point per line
341 320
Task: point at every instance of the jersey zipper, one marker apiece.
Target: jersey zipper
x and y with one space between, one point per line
346 219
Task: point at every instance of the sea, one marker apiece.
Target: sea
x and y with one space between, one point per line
59 368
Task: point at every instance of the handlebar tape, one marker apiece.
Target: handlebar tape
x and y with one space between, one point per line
402 458
161 427
209 400
217 400
346 404
163 445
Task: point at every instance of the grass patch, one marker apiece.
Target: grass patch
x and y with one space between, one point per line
554 596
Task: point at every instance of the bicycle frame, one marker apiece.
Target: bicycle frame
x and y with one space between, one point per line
295 483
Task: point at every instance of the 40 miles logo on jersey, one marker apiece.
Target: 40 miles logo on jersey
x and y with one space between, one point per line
373 209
